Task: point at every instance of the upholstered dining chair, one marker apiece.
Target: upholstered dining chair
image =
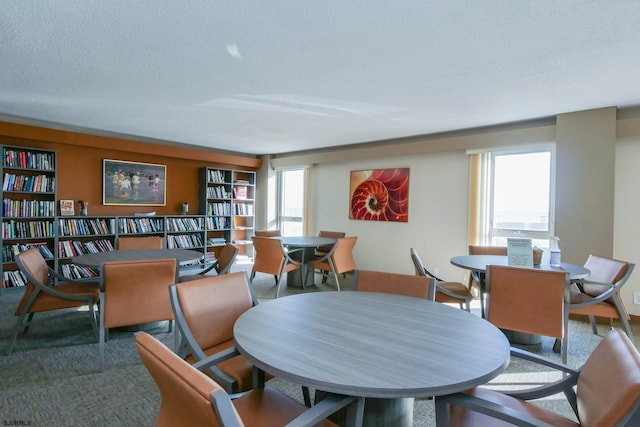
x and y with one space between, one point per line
607 393
394 283
599 294
130 242
134 293
338 260
529 300
477 279
271 257
323 250
223 263
446 292
267 233
189 397
42 293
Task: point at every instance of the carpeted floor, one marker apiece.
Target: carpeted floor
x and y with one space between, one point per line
52 377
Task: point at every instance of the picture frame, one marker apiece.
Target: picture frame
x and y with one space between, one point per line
67 207
133 183
379 195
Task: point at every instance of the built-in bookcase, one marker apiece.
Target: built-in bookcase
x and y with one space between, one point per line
227 199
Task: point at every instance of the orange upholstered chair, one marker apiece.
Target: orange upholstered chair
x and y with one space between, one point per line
133 293
599 294
607 393
394 283
190 398
43 294
222 265
338 260
446 292
272 258
130 242
268 233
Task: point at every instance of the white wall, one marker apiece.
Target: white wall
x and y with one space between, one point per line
437 225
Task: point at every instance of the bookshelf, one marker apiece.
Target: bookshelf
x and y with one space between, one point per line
227 199
28 208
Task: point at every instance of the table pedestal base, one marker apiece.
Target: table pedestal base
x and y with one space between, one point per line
523 338
381 412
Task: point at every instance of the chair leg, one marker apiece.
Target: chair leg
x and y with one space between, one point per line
594 325
101 337
16 330
623 316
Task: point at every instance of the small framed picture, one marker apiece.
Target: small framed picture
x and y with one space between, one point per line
67 207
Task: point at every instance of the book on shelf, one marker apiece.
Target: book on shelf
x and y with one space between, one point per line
67 207
240 192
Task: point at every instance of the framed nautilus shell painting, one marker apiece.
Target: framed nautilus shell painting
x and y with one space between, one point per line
380 195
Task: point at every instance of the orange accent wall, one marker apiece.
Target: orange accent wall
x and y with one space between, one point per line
80 156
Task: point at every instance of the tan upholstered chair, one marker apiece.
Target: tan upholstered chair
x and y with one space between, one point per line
190 398
599 294
338 260
393 283
323 250
272 258
607 393
130 242
223 263
529 300
268 233
133 293
477 279
446 292
42 294
205 311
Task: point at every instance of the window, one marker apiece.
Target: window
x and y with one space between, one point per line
517 199
291 184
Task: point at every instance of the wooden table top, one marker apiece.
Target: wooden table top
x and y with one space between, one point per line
183 256
371 344
479 263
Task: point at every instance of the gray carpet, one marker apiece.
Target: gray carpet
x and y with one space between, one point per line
51 379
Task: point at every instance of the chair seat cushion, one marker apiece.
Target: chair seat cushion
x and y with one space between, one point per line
46 301
237 367
267 407
601 309
462 417
453 287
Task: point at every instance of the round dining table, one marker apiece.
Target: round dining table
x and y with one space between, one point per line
307 244
387 348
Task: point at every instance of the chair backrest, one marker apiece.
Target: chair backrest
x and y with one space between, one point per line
342 256
332 235
487 250
186 393
268 233
206 309
35 268
269 256
608 389
394 283
152 242
605 270
421 270
226 259
528 300
137 291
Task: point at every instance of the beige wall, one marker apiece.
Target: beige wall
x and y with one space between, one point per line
596 202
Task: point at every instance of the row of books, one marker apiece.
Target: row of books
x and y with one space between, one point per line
28 208
217 192
75 272
27 229
31 183
9 252
70 248
243 209
183 241
28 160
141 225
219 209
84 226
13 279
184 224
218 222
216 176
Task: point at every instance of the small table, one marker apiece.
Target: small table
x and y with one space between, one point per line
308 245
388 348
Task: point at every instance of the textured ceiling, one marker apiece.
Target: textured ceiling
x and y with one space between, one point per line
279 76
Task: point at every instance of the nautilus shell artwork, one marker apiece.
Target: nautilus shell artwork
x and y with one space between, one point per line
380 195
